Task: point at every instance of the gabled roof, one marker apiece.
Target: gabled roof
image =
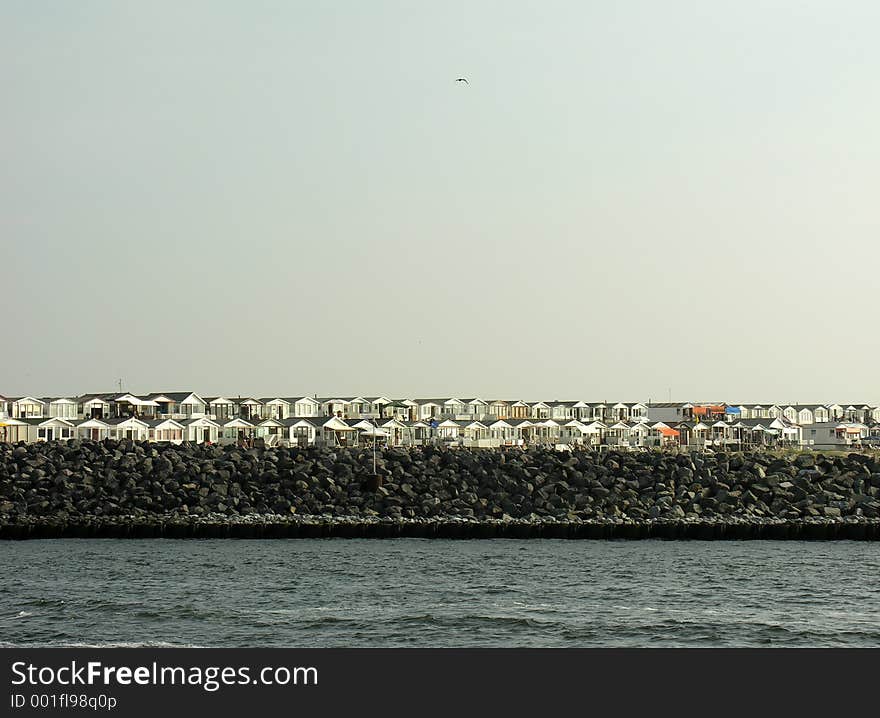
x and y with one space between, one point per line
271 422
200 420
102 395
176 396
116 421
336 424
27 399
238 423
438 402
90 423
40 421
593 426
314 421
391 421
90 398
156 423
135 400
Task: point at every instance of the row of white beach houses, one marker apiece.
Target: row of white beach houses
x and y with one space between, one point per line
187 416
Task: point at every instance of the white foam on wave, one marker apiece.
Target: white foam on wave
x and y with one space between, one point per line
23 614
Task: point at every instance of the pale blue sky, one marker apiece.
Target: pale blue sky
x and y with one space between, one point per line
295 198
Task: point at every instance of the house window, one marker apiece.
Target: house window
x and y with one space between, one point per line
41 433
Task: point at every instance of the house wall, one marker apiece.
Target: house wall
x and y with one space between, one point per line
195 432
52 432
251 411
306 408
665 413
64 410
88 406
277 409
192 406
819 436
452 409
222 410
27 410
638 412
804 416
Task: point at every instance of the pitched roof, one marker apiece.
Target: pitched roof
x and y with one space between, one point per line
154 423
115 421
36 421
177 396
199 420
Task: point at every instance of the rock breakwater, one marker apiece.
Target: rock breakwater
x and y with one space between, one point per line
123 488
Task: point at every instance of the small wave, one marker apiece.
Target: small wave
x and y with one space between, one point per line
474 621
23 614
44 602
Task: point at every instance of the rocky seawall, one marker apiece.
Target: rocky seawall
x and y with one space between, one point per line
122 488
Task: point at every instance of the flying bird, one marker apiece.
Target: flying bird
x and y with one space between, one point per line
462 79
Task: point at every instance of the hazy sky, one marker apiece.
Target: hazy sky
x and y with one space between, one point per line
628 198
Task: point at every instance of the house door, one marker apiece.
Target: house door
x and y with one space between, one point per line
50 434
207 436
129 434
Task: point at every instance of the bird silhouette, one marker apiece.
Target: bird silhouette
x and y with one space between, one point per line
462 79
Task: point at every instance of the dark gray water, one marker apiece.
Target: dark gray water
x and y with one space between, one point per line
411 592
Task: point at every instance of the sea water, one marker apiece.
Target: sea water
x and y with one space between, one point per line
433 593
